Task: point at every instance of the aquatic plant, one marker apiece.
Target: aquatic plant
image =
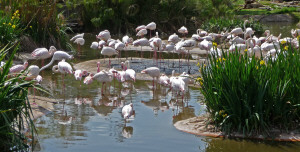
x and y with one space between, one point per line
15 110
253 95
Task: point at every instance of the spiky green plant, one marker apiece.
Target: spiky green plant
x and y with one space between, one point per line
15 110
253 95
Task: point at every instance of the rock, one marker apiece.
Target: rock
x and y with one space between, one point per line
298 25
27 44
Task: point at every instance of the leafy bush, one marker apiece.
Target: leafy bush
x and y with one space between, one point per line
9 27
15 110
253 95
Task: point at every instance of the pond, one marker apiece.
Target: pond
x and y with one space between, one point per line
86 120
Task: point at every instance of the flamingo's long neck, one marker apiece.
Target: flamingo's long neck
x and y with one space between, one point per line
49 64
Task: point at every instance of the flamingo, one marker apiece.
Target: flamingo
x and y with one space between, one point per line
154 72
77 36
164 80
170 48
101 44
141 33
89 79
127 111
18 68
178 86
173 38
189 45
108 51
98 67
237 31
43 53
102 76
140 28
151 26
156 42
58 55
205 45
201 32
179 49
94 45
79 41
141 42
127 40
63 67
183 30
248 31
33 74
129 73
119 46
78 74
104 35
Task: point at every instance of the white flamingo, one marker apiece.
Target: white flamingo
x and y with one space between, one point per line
108 51
58 55
104 35
154 72
164 80
151 26
94 45
63 67
129 73
141 42
140 27
173 38
103 77
127 111
189 45
79 41
43 53
77 36
78 74
183 30
141 32
119 46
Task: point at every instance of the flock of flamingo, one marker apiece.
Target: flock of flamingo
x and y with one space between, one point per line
238 39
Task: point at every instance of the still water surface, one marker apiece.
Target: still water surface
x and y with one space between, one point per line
85 120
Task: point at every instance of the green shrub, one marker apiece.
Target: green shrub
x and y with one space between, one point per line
253 95
9 27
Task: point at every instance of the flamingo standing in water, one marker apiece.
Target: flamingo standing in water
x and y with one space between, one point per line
58 55
119 46
154 72
33 74
189 45
43 53
129 73
141 42
178 86
127 40
79 41
78 74
108 51
127 111
102 76
77 36
63 67
151 26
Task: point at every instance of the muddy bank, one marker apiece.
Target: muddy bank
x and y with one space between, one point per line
198 126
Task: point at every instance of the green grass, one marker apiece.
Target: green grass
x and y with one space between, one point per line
252 96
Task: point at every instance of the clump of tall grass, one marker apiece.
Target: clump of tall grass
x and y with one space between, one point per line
15 110
253 95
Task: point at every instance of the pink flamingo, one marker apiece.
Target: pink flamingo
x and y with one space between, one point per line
127 111
63 67
43 53
151 26
58 55
183 30
154 72
108 51
18 68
